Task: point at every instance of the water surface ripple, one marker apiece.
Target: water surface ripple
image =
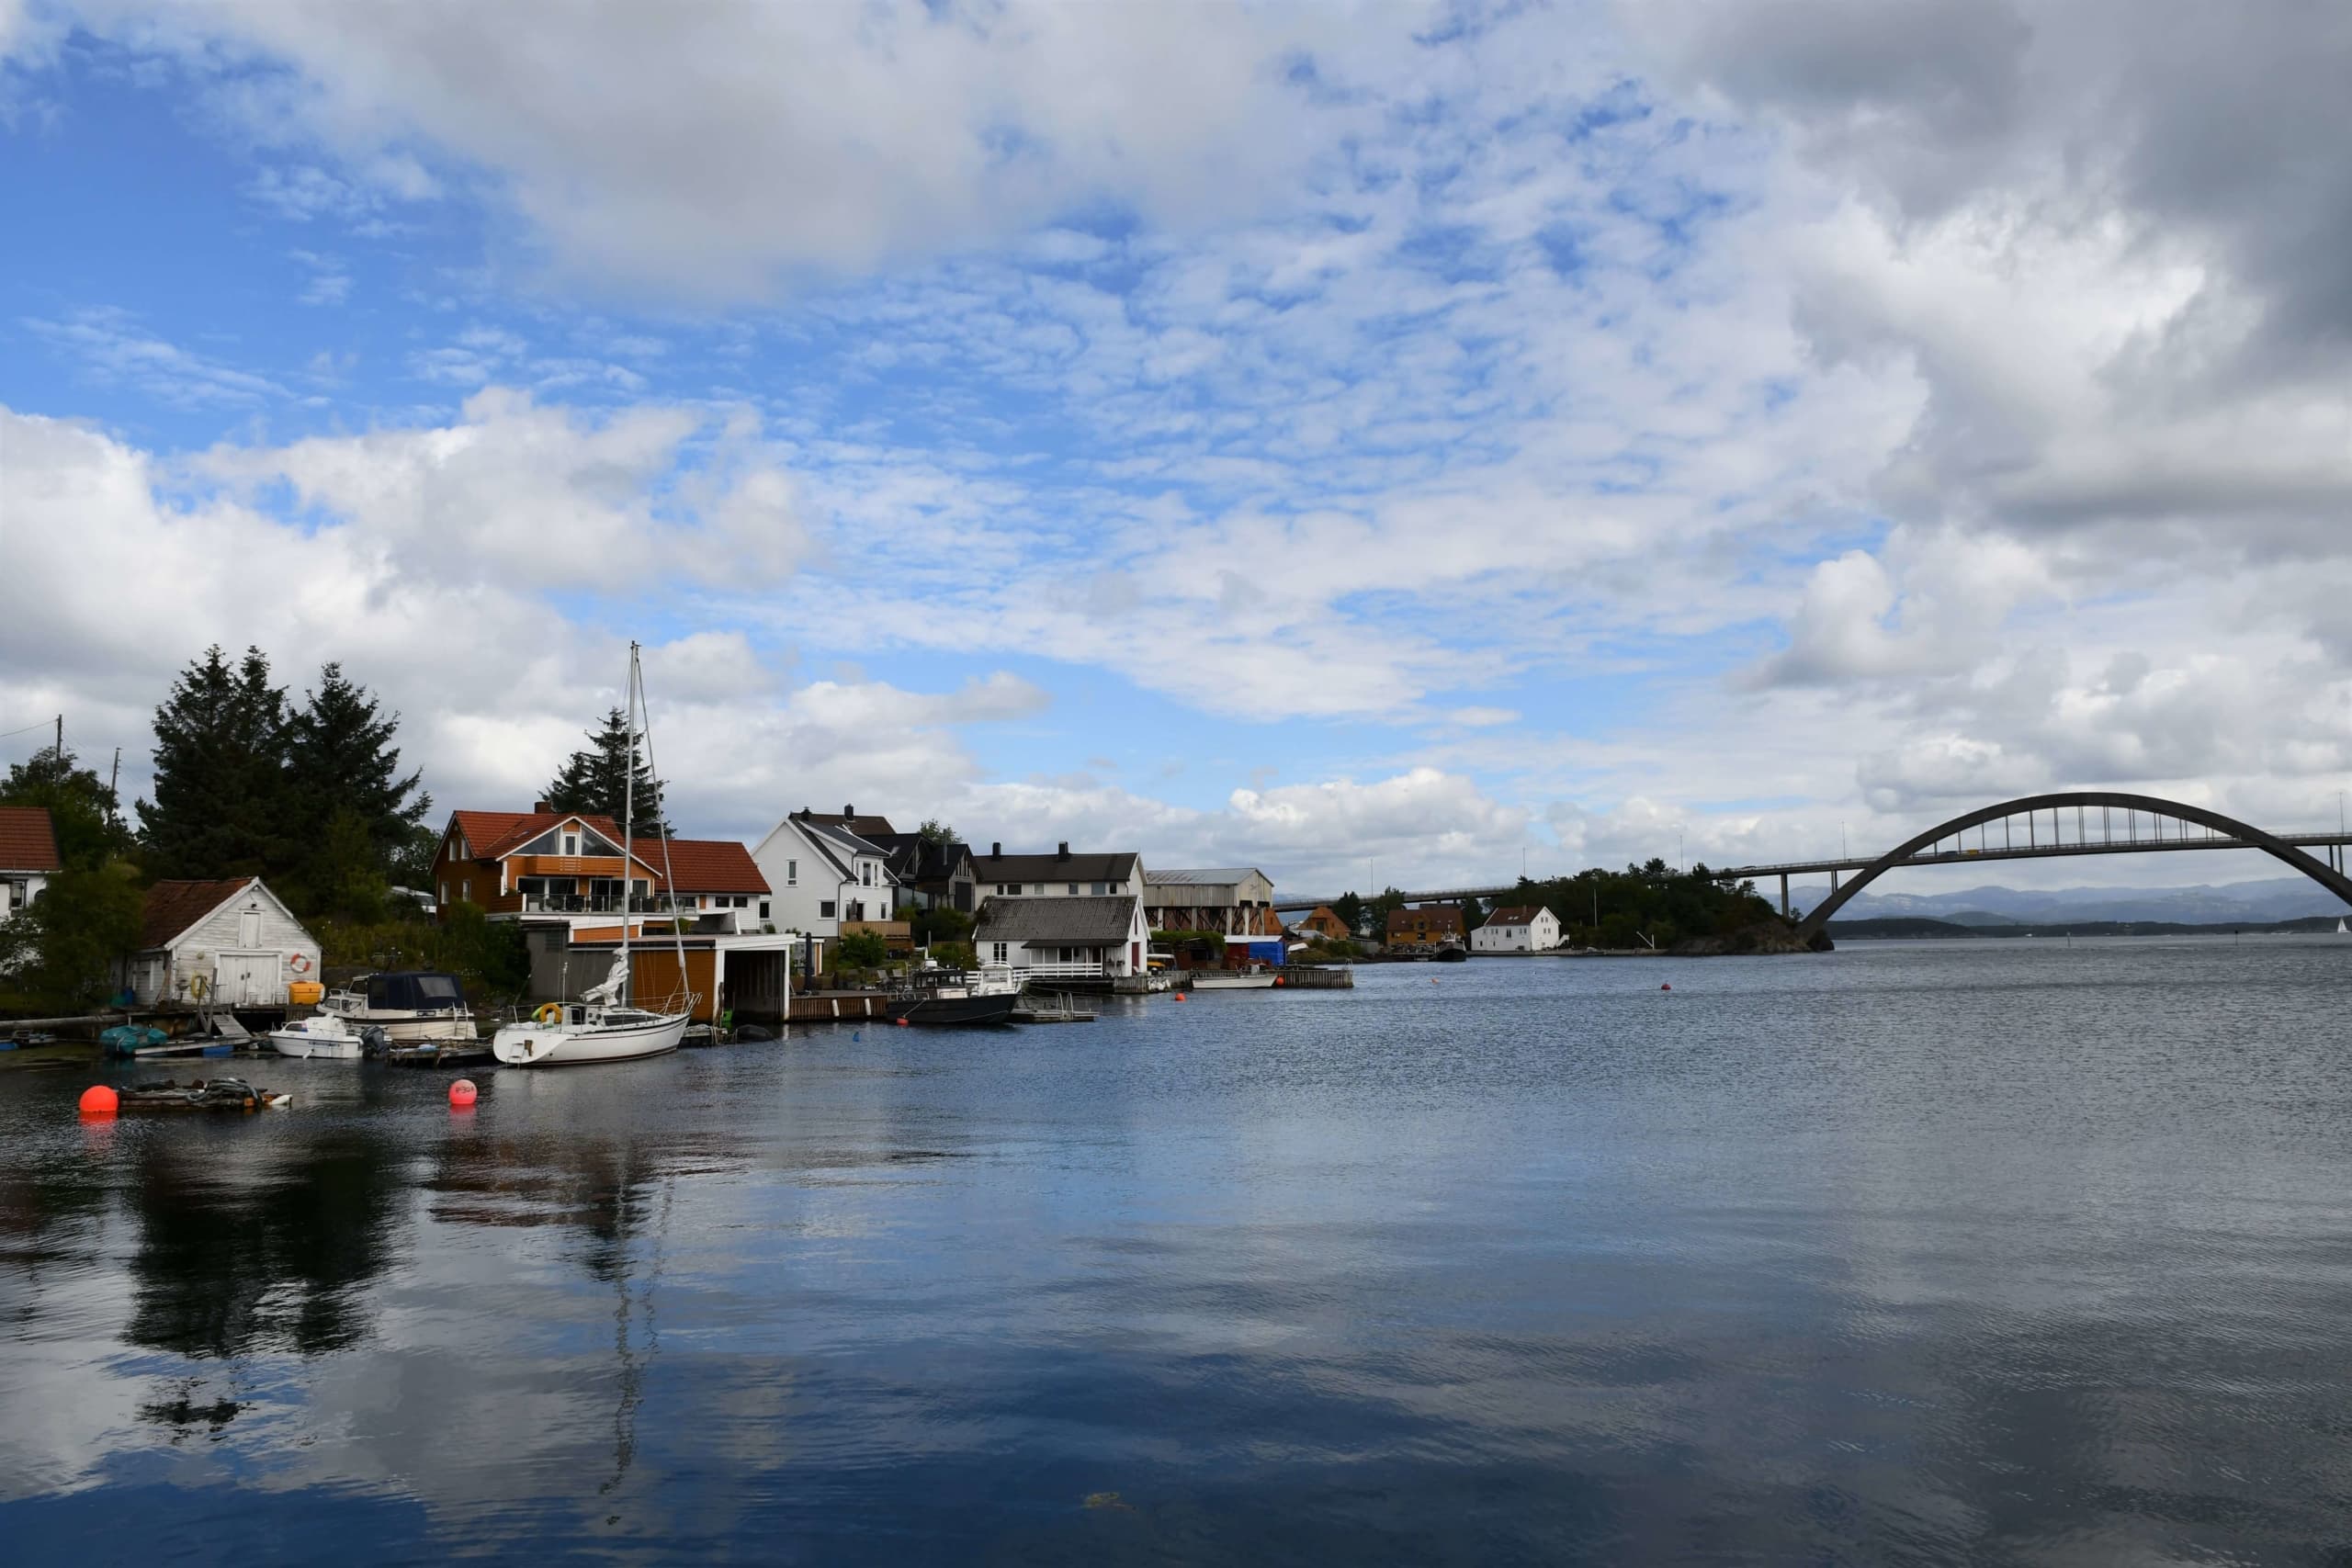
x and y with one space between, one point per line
1982 1252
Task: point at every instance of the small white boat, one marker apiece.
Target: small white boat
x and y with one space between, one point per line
2339 927
323 1034
1233 980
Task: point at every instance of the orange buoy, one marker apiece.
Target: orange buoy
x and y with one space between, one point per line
462 1093
99 1101
899 1021
1180 996
1278 982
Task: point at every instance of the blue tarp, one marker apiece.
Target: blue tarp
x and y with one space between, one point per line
1263 949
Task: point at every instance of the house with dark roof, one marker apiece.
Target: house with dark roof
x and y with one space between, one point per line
1230 900
28 855
1518 928
824 872
1086 937
930 874
232 943
1061 875
1426 929
543 866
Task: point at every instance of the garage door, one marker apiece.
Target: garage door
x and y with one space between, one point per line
249 979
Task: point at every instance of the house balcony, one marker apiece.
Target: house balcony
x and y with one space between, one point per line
518 866
590 904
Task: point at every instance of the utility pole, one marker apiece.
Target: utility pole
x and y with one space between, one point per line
114 780
60 735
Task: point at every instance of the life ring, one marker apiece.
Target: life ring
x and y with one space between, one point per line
198 987
300 963
549 1012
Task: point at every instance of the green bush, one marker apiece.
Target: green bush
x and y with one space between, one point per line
861 950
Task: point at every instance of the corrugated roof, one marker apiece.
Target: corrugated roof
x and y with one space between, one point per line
1090 918
173 907
1215 876
27 840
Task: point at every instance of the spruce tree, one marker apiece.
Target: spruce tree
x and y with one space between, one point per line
220 806
352 808
81 807
595 781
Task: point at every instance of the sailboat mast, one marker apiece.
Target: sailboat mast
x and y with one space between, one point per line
669 876
628 825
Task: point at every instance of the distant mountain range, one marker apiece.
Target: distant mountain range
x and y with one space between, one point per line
2276 899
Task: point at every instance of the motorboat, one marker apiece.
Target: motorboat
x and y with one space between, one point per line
1233 980
1450 954
328 1037
936 996
410 1006
603 1025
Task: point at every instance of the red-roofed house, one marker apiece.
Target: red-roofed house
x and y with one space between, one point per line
28 855
553 867
230 942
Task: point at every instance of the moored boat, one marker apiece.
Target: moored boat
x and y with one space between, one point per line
409 1005
1234 980
324 1035
602 1025
954 998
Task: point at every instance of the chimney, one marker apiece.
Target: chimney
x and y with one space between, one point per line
849 810
1063 851
995 851
542 808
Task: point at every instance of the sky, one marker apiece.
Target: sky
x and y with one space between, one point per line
1383 444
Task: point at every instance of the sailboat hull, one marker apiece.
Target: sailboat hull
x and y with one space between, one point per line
535 1045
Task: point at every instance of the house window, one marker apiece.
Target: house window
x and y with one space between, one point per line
764 909
825 910
998 949
792 873
1100 889
1073 889
466 890
444 893
571 843
1014 888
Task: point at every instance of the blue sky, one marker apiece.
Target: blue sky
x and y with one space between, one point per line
1439 435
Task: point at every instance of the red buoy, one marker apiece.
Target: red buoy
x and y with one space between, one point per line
899 1021
1665 987
1180 996
462 1093
98 1101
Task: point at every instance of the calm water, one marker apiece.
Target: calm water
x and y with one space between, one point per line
1987 1252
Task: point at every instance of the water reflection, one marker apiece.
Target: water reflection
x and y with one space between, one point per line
254 1245
1904 1262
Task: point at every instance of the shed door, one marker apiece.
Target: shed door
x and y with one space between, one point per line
248 979
249 927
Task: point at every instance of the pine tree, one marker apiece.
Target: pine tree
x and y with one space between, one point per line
81 806
341 763
220 806
595 781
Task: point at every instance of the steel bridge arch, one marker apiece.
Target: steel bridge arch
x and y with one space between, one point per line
2252 836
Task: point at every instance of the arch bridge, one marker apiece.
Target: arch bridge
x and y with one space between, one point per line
2037 827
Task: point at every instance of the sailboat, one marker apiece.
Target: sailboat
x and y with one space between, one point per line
2339 927
602 1025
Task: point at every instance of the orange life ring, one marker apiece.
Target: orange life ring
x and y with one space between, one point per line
300 963
549 1012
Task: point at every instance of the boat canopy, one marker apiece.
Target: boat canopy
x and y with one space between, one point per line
414 990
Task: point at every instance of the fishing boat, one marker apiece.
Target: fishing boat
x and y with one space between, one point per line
1452 953
603 1025
324 1035
954 998
409 1005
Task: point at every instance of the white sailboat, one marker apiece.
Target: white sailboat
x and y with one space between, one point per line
2339 927
603 1026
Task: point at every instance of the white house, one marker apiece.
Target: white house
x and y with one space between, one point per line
1087 937
1057 875
232 943
1520 929
820 873
28 855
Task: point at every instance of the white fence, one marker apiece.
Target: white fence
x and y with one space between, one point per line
1090 970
